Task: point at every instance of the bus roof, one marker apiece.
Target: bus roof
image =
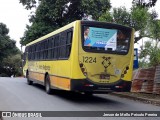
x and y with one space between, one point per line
69 26
52 33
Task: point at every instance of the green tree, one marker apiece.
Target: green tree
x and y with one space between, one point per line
28 3
154 30
144 3
7 50
52 14
151 49
144 23
7 45
119 15
12 65
150 53
143 63
138 17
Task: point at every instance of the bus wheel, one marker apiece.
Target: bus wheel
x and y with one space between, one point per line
29 82
48 85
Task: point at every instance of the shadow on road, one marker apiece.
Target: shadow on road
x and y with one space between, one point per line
78 97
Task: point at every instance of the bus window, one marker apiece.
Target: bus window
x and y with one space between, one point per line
24 56
122 41
69 37
106 39
69 43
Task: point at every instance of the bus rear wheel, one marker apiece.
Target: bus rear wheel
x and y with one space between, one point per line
29 82
48 85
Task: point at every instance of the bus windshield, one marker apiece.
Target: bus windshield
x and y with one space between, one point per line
102 39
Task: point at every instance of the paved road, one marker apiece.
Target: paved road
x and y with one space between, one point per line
16 95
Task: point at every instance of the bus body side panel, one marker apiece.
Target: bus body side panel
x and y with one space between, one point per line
75 69
59 71
36 71
128 76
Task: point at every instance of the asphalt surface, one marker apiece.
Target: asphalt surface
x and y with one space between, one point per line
16 95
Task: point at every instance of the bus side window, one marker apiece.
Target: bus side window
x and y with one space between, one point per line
53 47
31 52
38 51
28 52
35 51
49 47
43 47
62 47
56 49
69 43
69 37
24 57
63 38
41 51
46 49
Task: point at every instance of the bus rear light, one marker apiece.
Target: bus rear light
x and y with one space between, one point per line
83 70
122 76
118 86
81 65
88 85
85 73
127 68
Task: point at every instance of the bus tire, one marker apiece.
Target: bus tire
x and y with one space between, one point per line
29 82
48 85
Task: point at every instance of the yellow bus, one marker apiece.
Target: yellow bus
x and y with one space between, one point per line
83 56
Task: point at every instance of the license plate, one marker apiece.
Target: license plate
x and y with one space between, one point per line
102 76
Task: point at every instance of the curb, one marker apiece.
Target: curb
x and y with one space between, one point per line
145 100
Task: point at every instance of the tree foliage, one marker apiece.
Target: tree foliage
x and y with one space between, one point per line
28 3
119 15
151 52
12 65
145 3
138 17
155 30
52 14
143 64
152 49
145 24
7 46
7 50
